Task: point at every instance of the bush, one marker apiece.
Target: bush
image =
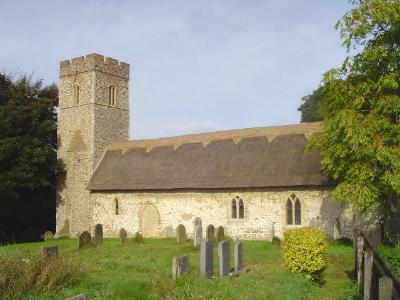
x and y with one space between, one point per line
138 239
305 250
392 256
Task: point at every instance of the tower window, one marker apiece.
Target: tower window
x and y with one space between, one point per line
116 206
237 202
293 210
111 95
76 94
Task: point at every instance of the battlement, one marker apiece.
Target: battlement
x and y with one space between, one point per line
94 62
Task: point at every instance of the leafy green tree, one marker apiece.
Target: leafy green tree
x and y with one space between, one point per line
313 107
28 160
360 141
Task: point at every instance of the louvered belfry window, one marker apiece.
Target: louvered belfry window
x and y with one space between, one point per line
293 210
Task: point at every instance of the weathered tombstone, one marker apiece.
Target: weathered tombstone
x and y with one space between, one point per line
48 235
180 234
123 236
210 233
238 252
368 265
196 221
180 266
360 255
220 233
272 231
84 239
207 258
50 252
98 235
198 234
385 288
78 297
223 258
336 230
355 235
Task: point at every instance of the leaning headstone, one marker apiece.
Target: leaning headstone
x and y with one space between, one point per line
84 239
78 297
198 234
223 258
50 252
180 234
368 265
123 236
238 253
180 266
385 288
220 233
210 232
98 235
48 235
207 258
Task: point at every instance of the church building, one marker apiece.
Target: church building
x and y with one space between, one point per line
255 182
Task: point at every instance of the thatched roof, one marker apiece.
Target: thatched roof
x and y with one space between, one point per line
254 157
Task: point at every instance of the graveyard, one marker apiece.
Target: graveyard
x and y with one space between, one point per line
136 270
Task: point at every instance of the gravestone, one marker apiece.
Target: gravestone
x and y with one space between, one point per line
169 232
210 232
180 266
48 235
78 297
272 231
50 252
238 253
360 254
207 258
84 239
223 258
220 233
98 235
368 265
385 288
198 234
123 236
336 230
180 234
196 221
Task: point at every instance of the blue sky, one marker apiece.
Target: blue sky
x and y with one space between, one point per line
195 65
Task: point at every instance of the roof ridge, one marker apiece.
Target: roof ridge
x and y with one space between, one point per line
270 132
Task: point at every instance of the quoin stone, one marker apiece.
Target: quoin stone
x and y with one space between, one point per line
198 235
210 233
220 235
180 234
238 253
180 266
123 236
98 235
50 252
84 239
207 258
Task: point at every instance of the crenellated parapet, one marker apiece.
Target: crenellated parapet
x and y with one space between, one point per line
94 62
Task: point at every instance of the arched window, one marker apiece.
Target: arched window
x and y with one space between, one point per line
76 94
293 210
234 209
241 209
237 204
289 212
111 95
116 206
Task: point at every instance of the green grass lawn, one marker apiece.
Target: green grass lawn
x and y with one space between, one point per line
143 271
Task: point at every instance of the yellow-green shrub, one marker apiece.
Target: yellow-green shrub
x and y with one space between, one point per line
305 250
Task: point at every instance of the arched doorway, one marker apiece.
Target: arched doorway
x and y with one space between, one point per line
150 221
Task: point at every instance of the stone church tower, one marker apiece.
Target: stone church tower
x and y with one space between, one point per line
93 112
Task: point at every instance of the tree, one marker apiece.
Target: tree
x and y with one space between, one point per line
361 134
313 107
28 160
